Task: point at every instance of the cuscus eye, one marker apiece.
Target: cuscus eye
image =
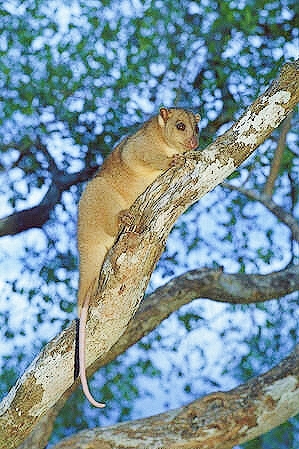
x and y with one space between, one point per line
181 126
196 129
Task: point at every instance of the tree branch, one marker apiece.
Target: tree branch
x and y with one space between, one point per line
218 421
276 162
205 283
129 264
37 216
182 290
276 210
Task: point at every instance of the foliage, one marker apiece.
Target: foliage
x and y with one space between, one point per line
75 78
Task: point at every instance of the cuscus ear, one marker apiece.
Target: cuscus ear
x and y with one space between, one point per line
197 117
163 116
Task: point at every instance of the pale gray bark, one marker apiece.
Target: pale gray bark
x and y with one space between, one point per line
218 421
129 264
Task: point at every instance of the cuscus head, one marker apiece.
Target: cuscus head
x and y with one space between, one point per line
180 128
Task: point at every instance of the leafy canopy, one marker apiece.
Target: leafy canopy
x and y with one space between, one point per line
77 76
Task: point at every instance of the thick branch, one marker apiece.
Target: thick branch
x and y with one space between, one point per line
34 217
37 216
130 262
218 421
205 283
216 285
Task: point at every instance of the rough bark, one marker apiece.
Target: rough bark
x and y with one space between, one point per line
129 264
218 421
204 283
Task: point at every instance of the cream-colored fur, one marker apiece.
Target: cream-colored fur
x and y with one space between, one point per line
132 166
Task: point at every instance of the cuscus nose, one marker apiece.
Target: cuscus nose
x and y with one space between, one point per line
193 142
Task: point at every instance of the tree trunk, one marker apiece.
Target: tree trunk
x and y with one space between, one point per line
129 264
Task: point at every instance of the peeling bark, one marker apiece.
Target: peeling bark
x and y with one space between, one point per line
204 283
218 421
130 262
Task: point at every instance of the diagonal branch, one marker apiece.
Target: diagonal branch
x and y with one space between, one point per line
218 421
37 216
211 284
276 163
129 264
205 283
276 210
